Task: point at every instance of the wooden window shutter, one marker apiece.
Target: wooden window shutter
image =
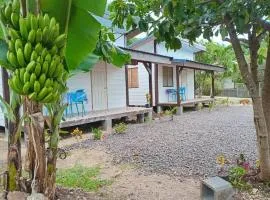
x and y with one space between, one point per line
133 79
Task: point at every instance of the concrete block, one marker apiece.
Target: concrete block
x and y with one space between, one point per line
140 118
149 115
216 188
180 110
107 125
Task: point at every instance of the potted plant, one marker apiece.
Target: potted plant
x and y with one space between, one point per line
148 100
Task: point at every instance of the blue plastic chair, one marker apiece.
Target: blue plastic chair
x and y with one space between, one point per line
171 93
79 97
68 100
182 93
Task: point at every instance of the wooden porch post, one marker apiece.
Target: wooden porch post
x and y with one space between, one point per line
127 91
148 67
180 107
213 85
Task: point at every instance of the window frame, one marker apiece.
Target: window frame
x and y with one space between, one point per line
167 78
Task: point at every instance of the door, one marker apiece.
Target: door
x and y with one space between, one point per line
99 87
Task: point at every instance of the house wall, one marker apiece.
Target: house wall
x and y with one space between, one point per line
81 81
120 40
137 95
162 95
116 86
186 79
113 92
184 53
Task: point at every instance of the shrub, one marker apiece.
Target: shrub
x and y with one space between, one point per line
97 133
236 177
120 128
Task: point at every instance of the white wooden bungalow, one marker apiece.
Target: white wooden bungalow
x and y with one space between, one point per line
162 80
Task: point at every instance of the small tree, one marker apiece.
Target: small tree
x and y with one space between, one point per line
242 23
40 47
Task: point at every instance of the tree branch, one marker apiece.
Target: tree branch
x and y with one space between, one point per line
264 23
261 35
253 51
243 65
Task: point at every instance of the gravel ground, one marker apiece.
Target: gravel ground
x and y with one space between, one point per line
186 146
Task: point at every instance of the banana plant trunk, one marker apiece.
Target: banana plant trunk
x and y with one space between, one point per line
36 153
14 153
51 164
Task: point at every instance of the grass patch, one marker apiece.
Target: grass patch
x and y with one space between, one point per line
80 177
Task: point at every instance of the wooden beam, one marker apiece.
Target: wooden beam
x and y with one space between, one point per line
148 67
177 86
213 85
156 85
196 65
127 89
132 33
141 56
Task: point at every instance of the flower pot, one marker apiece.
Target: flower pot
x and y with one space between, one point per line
147 105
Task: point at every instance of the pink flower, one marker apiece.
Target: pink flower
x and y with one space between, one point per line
246 166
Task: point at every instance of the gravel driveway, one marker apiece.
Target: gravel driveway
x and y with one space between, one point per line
188 145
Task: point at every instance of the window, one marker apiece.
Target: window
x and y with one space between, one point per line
133 79
167 76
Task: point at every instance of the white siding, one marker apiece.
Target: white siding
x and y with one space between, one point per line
163 97
81 81
116 86
187 81
184 53
120 40
147 46
137 95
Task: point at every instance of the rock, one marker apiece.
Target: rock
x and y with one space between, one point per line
16 195
37 196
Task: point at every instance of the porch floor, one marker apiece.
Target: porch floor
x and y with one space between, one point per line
189 102
102 115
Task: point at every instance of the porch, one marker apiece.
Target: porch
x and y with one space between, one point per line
190 102
106 117
169 81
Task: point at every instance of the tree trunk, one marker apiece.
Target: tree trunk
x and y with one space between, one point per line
36 154
14 153
262 138
52 153
266 91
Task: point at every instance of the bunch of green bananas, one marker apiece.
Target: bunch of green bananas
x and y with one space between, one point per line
36 54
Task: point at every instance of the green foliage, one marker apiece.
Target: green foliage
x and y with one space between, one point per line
120 128
221 55
211 105
170 111
188 19
83 28
7 110
80 177
97 133
203 83
236 175
108 51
